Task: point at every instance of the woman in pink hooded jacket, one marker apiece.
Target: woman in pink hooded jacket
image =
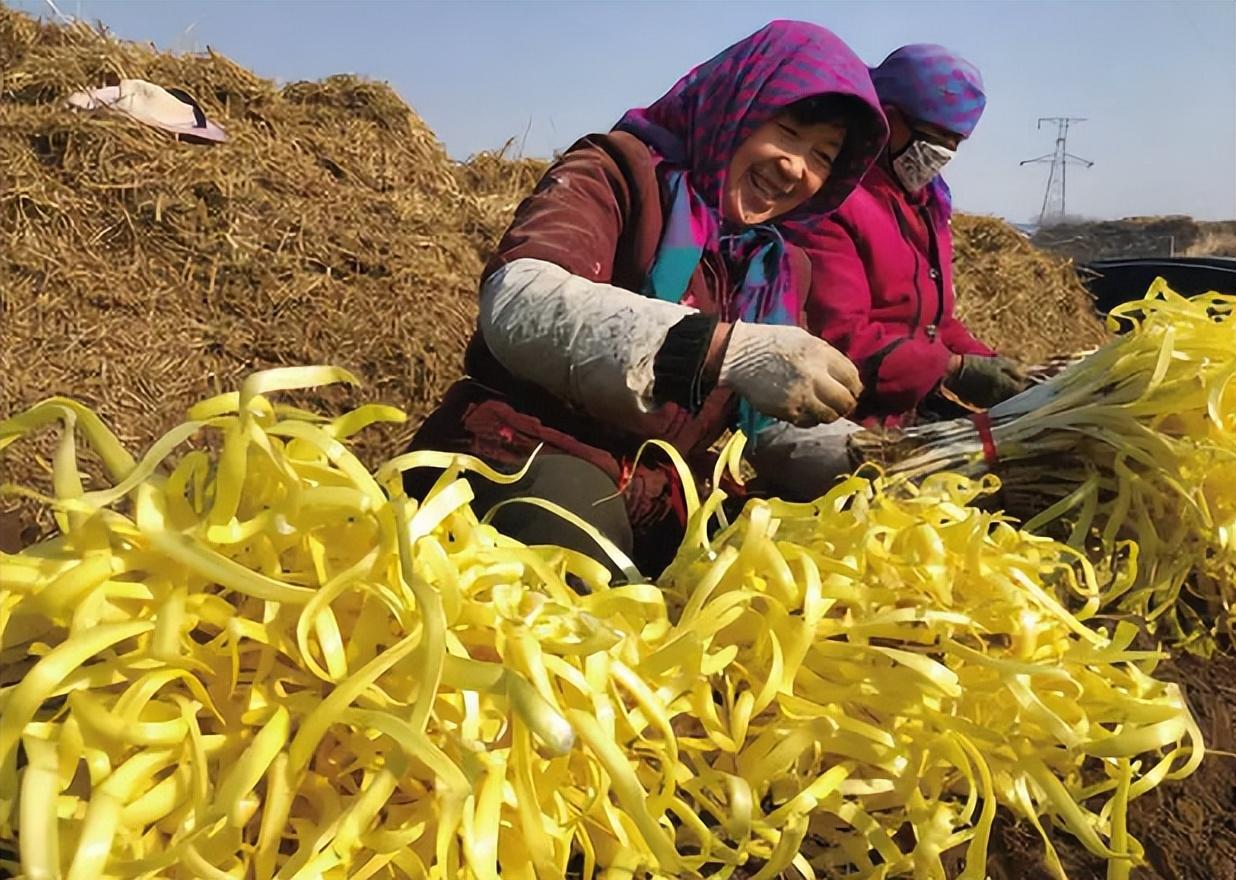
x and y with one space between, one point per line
882 288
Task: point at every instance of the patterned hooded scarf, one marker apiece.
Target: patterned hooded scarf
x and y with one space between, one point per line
933 84
698 125
930 83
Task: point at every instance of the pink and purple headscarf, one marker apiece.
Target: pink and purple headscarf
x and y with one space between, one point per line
930 83
698 125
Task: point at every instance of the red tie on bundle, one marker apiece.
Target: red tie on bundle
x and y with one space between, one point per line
982 421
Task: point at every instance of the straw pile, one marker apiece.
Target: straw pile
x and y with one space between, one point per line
1024 302
141 274
497 183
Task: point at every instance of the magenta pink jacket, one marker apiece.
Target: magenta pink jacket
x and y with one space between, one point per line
882 291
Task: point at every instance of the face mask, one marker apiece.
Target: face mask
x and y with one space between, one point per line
917 164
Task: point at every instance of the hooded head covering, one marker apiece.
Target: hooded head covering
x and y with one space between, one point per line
697 126
930 83
702 121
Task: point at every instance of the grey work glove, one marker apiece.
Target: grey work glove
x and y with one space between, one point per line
789 374
986 381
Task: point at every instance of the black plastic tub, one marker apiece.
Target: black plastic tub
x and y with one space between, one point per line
1112 282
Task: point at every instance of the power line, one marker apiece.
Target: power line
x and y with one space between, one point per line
1060 158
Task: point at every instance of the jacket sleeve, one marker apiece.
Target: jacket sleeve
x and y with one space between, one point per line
552 311
578 215
589 343
897 370
959 340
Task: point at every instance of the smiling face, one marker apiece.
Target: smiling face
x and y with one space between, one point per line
779 167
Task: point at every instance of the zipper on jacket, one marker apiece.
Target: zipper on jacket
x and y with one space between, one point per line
937 272
906 236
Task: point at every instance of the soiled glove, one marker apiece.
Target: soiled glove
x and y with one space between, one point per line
986 381
789 374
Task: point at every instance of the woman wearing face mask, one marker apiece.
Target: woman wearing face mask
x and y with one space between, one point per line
883 290
644 290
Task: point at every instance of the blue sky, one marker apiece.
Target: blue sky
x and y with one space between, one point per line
1156 80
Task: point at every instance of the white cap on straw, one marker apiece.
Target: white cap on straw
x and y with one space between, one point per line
171 110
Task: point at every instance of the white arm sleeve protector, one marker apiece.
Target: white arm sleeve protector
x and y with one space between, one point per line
589 343
803 463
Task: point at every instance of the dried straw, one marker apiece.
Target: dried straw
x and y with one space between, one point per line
139 274
1024 302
